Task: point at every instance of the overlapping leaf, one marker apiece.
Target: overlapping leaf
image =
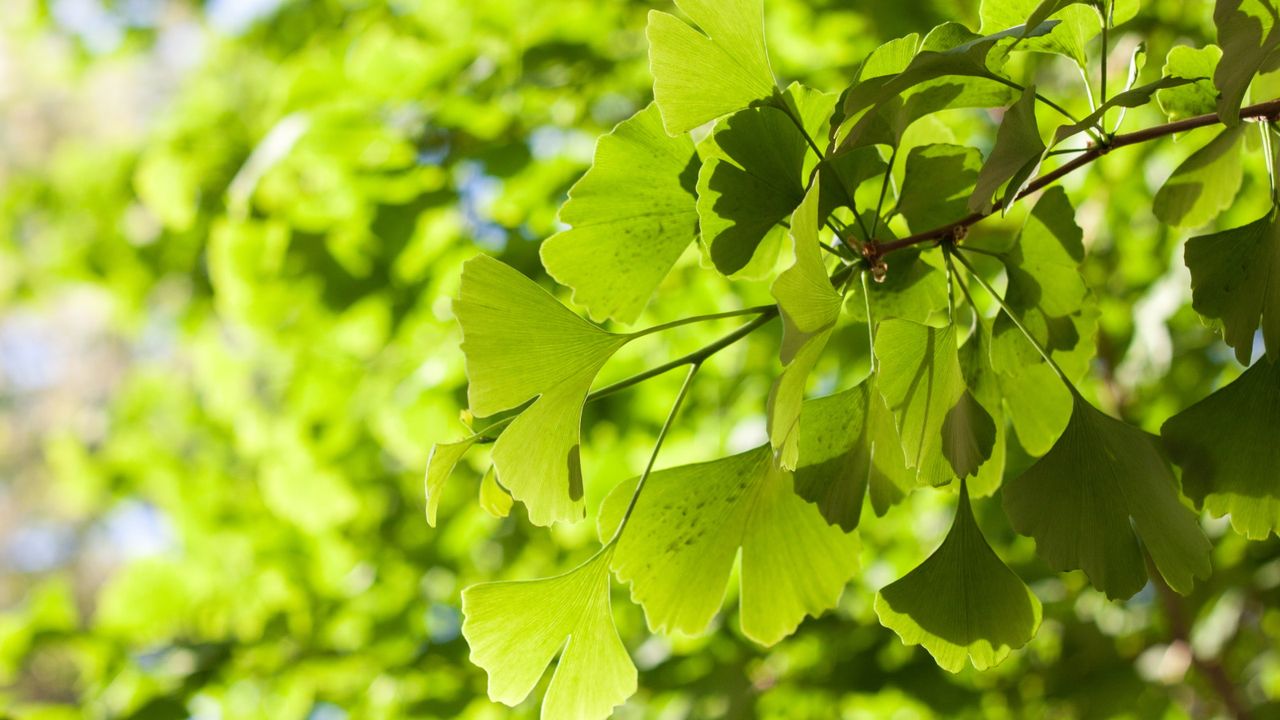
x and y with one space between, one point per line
1078 23
1226 446
1235 281
1015 157
515 628
632 215
444 457
1102 494
699 77
1199 97
962 602
936 184
1249 35
688 526
521 343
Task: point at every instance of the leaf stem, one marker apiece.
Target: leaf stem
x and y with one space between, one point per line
758 309
1269 109
884 189
871 331
657 445
973 272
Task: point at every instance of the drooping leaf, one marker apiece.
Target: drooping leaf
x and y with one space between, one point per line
632 215
1130 98
444 457
809 306
1102 488
1015 157
1199 97
920 378
493 499
515 628
700 76
1226 446
519 343
962 602
679 547
1248 33
1077 24
848 443
936 184
1204 184
1235 280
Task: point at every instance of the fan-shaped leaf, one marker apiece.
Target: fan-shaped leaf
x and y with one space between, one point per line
1249 34
1015 157
1205 184
1235 280
1199 97
444 457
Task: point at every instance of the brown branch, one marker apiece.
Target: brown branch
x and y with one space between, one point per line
1269 109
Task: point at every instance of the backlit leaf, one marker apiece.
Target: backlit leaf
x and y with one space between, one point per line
632 215
515 628
1198 98
1204 184
1249 34
444 457
936 185
1235 280
1015 157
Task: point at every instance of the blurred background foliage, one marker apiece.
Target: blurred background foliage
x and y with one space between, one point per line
229 232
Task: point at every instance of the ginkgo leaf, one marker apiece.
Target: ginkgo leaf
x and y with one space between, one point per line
915 289
1098 497
1226 446
699 77
1235 280
936 184
1199 97
1015 156
920 379
962 601
679 546
1044 263
1129 98
632 215
1248 42
519 343
493 499
754 172
1204 184
514 629
981 379
1078 23
444 457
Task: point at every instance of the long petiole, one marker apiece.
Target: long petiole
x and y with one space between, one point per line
757 310
657 445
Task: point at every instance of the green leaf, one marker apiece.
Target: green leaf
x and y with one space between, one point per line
493 499
962 601
936 185
754 172
440 464
1226 446
1015 156
520 343
1101 490
698 78
848 443
915 289
810 307
515 628
1198 98
920 378
1130 98
1204 184
1078 23
982 381
1235 280
1248 33
632 215
679 547
1044 262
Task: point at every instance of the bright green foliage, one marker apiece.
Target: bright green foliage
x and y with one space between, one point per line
1226 447
936 415
810 307
851 448
493 499
1204 185
915 289
679 546
1101 490
444 457
962 601
1078 23
1249 34
984 385
699 77
1131 97
521 343
1015 157
1198 98
937 183
1233 283
516 628
633 213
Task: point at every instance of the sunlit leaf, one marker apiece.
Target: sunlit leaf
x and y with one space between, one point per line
1199 97
515 628
1078 23
1102 494
1204 184
493 499
633 214
962 602
700 76
1015 157
679 547
1226 446
1234 282
984 384
444 457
